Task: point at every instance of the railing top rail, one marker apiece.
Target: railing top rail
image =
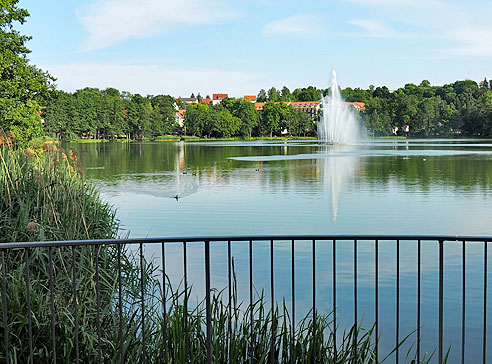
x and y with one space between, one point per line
180 239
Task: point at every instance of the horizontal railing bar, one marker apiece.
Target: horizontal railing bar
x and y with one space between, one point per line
245 238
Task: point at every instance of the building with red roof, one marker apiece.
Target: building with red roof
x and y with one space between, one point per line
180 114
251 98
217 98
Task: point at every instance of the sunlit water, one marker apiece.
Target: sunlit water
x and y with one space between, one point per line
376 187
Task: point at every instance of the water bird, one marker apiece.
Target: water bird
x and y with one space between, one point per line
185 172
176 197
193 174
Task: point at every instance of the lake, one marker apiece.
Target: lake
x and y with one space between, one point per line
430 186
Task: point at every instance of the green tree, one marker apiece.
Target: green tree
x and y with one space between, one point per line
22 85
262 96
271 117
165 114
273 95
286 94
244 110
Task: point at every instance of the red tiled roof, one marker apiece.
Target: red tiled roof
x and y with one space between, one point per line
181 112
219 96
250 97
206 100
357 105
259 105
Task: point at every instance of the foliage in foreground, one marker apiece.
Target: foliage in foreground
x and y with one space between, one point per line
23 87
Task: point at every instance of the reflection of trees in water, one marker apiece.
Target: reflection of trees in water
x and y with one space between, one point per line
213 161
463 172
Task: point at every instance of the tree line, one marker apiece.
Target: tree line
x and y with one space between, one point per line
462 108
108 114
239 117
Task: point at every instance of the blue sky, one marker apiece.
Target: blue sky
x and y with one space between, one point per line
184 46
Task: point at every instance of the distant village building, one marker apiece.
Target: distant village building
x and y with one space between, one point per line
217 98
189 100
310 107
180 114
251 98
359 106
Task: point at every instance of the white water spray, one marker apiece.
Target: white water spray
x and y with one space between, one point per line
338 124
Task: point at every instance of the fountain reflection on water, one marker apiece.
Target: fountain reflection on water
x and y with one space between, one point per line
338 169
338 123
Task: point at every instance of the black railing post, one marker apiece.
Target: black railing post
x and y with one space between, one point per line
164 298
29 313
356 326
229 276
52 304
441 298
207 302
75 307
419 261
251 337
272 293
185 304
463 303
120 306
142 293
98 306
334 278
397 334
485 262
293 325
314 352
4 309
376 298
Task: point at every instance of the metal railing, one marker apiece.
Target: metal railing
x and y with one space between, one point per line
27 248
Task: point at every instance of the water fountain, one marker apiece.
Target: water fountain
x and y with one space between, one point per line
338 124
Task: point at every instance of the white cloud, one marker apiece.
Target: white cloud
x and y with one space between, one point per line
109 22
455 28
472 41
295 25
376 29
154 79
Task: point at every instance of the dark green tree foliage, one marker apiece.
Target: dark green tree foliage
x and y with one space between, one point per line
94 113
306 94
273 95
204 120
244 110
458 109
262 96
22 86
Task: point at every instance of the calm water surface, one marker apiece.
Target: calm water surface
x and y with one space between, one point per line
377 187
